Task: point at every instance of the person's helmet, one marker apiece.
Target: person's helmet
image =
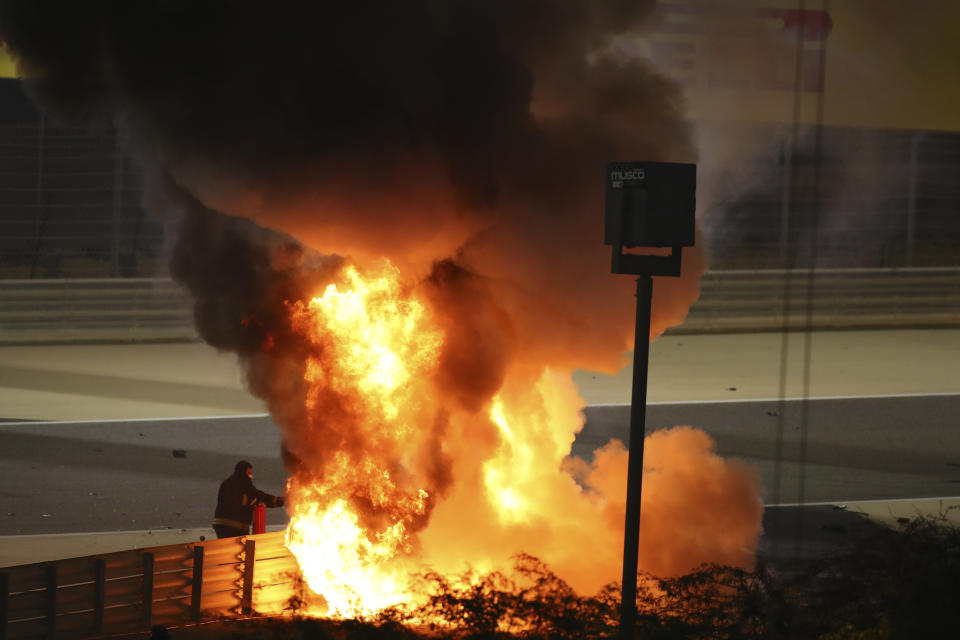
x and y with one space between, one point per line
241 468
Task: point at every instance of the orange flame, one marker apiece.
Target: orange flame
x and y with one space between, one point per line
369 503
372 353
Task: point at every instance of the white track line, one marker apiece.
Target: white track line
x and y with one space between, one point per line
598 404
856 502
108 420
279 527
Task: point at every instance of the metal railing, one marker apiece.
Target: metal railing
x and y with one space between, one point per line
70 206
126 591
90 310
777 300
130 310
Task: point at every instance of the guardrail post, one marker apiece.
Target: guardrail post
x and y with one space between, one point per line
196 589
4 595
50 573
99 591
147 597
249 558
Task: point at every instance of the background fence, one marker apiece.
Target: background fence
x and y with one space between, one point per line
870 198
132 309
776 300
80 259
70 204
129 590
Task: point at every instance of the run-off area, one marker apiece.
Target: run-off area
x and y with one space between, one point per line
63 477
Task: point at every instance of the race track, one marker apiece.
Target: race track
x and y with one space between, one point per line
61 477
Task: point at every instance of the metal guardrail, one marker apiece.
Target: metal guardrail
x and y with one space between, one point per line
94 310
127 591
777 300
140 309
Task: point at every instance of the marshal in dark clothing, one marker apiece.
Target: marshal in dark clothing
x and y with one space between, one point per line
236 500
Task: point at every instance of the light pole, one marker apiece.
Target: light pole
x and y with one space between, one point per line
648 204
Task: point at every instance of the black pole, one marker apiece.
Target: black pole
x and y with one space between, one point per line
146 595
638 411
196 587
4 604
249 560
50 604
99 591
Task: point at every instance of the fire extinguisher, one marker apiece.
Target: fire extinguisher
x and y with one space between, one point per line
259 519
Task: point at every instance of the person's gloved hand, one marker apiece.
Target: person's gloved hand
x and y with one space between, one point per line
280 501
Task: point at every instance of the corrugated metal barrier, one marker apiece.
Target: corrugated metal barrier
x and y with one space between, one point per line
829 299
126 591
140 309
90 310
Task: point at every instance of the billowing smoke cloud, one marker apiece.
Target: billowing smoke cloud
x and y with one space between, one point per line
419 131
464 141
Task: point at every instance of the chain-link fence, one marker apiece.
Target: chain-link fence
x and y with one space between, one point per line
70 206
70 202
853 198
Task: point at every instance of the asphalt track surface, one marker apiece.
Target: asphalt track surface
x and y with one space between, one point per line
123 475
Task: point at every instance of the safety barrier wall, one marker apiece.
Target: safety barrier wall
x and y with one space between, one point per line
96 309
768 300
118 310
126 591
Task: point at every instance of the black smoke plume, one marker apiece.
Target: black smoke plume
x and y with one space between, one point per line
421 131
463 140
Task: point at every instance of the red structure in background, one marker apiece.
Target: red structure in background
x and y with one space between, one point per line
816 25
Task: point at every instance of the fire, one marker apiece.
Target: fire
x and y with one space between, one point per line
367 376
407 452
423 421
379 341
340 561
499 472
